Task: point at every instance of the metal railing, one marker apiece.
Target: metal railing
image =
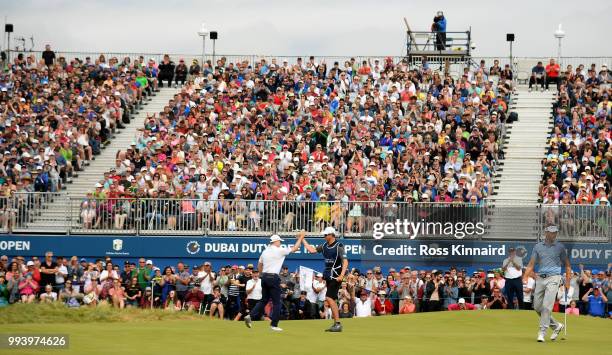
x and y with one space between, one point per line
292 59
59 213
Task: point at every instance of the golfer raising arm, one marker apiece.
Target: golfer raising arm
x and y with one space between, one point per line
336 264
269 265
551 256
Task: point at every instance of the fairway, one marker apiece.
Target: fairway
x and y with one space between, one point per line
495 332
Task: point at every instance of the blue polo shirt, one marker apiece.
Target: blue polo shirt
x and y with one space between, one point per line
596 306
550 258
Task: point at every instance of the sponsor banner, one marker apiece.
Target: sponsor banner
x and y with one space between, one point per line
361 253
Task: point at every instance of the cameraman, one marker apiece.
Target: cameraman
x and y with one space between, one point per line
439 28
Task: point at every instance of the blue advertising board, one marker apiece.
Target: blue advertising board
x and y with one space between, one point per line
427 254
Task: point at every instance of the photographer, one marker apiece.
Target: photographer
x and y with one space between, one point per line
439 28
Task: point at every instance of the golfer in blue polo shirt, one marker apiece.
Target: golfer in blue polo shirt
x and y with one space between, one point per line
550 256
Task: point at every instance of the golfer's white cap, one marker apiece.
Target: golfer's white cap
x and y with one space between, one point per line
276 238
329 230
552 229
462 301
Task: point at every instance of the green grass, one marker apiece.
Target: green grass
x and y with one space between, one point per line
474 332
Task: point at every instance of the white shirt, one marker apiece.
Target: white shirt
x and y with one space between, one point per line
273 258
59 277
363 309
511 271
206 284
320 285
256 293
562 297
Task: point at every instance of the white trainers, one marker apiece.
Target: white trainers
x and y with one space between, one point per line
540 337
276 329
248 322
557 331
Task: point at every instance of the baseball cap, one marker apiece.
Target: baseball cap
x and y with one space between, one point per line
319 274
276 238
329 230
552 229
461 301
149 262
30 263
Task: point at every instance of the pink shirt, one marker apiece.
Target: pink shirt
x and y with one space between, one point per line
572 311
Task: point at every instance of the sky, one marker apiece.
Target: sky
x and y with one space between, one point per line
315 27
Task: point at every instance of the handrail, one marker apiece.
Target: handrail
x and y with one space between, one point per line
44 213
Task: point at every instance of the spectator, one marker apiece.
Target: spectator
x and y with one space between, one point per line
182 281
302 307
4 291
538 74
133 293
552 73
48 270
166 71
49 295
363 305
92 293
345 311
253 290
572 309
595 301
28 288
461 305
382 305
172 302
564 297
512 267
117 294
216 305
48 55
180 73
498 300
195 298
408 306
528 288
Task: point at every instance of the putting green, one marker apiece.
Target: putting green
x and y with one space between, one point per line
471 332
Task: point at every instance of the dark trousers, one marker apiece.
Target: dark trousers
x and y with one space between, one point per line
180 79
441 41
514 288
527 306
270 289
534 80
165 76
552 80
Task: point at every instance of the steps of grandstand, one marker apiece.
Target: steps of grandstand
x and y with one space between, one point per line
52 218
518 178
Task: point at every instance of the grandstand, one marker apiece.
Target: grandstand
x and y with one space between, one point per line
260 145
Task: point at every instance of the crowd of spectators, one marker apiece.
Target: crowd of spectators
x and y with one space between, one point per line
577 168
230 292
56 115
328 135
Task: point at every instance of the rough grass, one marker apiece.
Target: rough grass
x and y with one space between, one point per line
59 313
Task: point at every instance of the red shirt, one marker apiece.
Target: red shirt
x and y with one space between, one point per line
552 70
455 307
385 307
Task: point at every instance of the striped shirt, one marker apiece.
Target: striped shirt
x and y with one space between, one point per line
549 257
